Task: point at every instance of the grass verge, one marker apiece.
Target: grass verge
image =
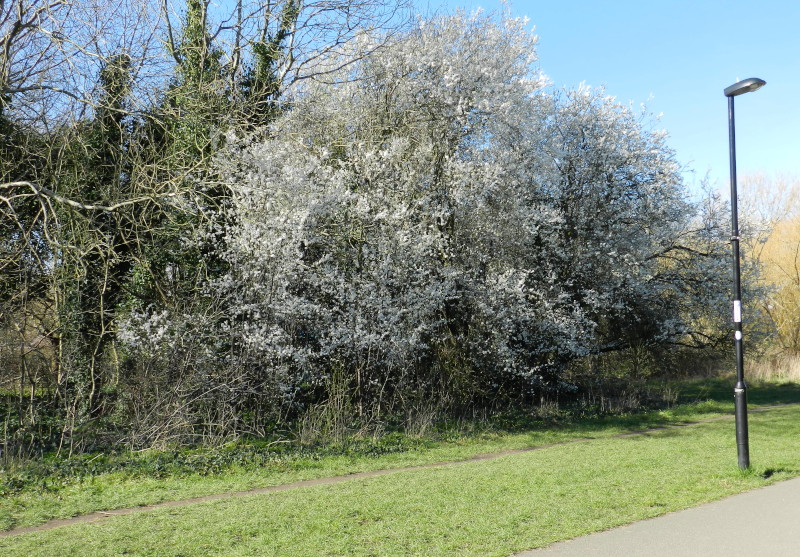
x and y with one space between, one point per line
63 488
479 508
486 508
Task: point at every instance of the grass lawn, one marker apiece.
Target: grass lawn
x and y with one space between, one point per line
49 497
488 507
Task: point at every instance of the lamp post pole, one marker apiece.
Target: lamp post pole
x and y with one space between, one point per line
740 391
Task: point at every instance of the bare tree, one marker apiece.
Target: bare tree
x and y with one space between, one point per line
52 50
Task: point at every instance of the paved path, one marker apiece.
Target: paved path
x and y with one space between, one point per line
762 523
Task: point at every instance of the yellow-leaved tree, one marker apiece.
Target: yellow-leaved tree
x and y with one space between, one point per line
773 206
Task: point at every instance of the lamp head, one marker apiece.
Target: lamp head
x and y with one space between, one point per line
744 86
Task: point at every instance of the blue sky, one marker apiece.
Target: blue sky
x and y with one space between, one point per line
677 57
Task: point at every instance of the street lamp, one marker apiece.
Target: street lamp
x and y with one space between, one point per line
740 391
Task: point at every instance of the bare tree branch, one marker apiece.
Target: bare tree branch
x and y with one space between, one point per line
46 192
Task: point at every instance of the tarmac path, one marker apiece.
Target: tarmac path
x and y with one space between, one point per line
761 523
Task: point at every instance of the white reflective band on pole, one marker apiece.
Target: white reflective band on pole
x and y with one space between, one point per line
737 311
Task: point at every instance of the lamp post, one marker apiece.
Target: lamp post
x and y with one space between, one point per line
740 391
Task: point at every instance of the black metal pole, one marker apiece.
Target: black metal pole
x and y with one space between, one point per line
740 391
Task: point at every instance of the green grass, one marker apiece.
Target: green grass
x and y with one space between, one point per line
484 508
720 390
477 508
43 491
62 498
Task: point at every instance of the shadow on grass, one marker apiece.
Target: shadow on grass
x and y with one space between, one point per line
698 399
721 390
769 472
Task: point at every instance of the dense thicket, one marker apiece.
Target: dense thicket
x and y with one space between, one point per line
431 230
323 216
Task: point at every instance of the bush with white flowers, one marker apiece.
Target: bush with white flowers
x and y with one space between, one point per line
430 222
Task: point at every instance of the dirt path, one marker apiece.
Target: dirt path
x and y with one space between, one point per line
101 515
